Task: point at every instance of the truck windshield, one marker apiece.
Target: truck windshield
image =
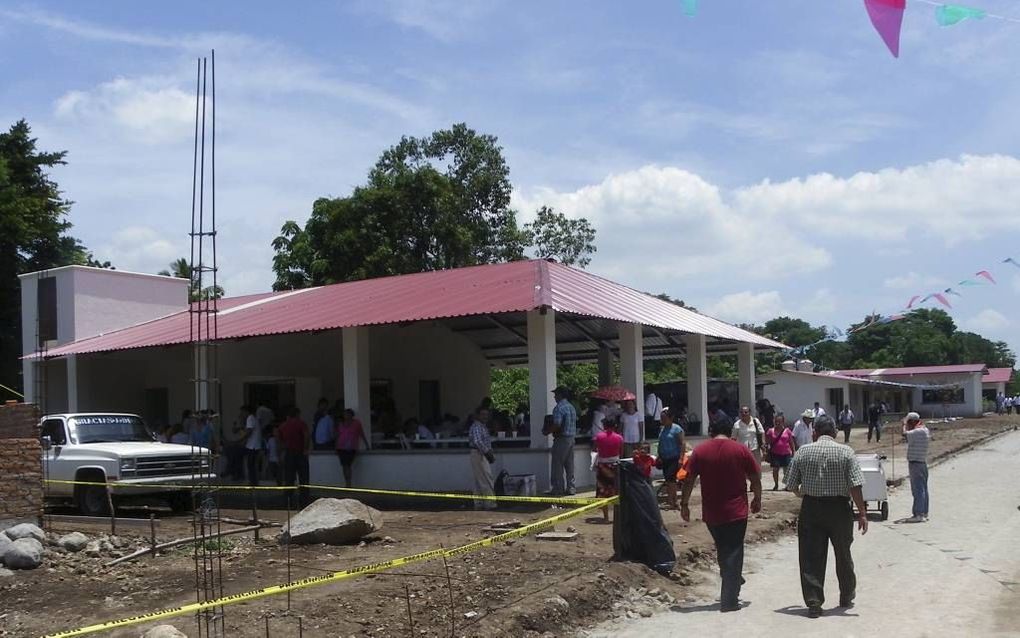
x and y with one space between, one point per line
107 428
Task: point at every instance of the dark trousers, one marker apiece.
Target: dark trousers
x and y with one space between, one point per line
295 465
823 521
235 461
729 546
251 462
877 429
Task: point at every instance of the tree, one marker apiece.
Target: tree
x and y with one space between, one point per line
181 269
430 203
33 233
553 235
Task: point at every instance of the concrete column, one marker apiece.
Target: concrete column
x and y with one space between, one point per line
632 369
541 371
605 365
697 378
29 368
357 376
72 382
745 374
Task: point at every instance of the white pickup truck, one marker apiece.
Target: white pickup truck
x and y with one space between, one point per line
101 447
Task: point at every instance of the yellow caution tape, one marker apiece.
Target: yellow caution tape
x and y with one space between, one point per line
548 500
313 581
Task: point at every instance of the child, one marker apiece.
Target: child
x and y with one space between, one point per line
273 455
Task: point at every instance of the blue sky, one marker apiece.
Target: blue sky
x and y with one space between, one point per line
759 158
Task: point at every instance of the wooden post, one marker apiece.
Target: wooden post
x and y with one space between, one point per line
152 533
113 514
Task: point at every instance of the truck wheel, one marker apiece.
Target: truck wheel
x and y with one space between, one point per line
179 502
91 500
885 510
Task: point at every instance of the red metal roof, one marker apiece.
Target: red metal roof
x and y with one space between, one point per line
478 290
997 375
913 371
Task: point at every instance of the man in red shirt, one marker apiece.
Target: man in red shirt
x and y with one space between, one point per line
724 466
295 443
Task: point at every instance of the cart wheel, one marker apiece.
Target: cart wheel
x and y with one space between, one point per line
885 510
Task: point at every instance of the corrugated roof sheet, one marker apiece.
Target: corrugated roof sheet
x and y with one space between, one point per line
900 372
478 290
997 375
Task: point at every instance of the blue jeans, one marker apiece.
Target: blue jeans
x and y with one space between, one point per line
919 486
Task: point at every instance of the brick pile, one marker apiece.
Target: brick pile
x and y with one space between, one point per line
21 487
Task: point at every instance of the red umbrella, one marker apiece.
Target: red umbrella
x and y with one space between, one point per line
614 393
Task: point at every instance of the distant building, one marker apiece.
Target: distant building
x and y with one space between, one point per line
933 391
994 382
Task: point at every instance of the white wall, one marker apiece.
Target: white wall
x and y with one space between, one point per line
438 470
971 384
793 393
107 300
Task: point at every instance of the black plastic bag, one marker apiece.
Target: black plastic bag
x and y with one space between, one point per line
499 485
638 532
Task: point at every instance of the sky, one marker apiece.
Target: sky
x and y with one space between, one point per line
757 159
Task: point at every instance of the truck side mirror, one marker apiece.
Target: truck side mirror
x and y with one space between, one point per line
47 443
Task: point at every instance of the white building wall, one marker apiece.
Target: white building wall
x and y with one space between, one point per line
970 382
792 393
107 300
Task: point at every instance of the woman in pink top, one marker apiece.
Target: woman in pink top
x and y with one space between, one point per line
781 446
349 433
609 445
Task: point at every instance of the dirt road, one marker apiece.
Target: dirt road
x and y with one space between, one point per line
958 574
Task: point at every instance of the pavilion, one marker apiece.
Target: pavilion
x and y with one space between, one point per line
426 341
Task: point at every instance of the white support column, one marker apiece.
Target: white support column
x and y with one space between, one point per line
632 369
697 377
745 374
72 382
541 371
357 376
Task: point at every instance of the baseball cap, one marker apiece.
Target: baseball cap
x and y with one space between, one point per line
561 388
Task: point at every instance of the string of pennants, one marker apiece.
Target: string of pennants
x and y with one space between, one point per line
886 17
941 297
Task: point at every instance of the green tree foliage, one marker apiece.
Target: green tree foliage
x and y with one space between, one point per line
430 203
553 235
181 269
33 233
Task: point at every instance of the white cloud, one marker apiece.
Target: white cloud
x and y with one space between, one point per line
151 110
747 307
912 281
953 200
988 322
140 249
445 20
666 223
822 304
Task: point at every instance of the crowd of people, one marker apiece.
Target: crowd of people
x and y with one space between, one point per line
1006 404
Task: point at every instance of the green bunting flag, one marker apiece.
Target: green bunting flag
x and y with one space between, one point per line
949 14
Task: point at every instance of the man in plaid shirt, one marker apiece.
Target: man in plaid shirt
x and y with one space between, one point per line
827 475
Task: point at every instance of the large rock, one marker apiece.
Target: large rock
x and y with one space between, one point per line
73 542
332 521
24 553
26 530
4 544
164 631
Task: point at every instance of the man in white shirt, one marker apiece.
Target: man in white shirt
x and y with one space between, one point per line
325 427
918 438
653 413
803 429
846 421
252 446
748 431
818 410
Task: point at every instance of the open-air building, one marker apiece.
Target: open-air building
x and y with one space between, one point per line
419 345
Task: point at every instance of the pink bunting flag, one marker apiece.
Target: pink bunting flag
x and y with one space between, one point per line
887 18
942 299
987 275
913 300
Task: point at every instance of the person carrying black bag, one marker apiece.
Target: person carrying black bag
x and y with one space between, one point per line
482 459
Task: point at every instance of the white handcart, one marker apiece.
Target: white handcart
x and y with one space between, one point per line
875 490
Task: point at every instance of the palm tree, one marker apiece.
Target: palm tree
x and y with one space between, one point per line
181 269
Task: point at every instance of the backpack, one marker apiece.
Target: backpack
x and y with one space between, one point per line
499 485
